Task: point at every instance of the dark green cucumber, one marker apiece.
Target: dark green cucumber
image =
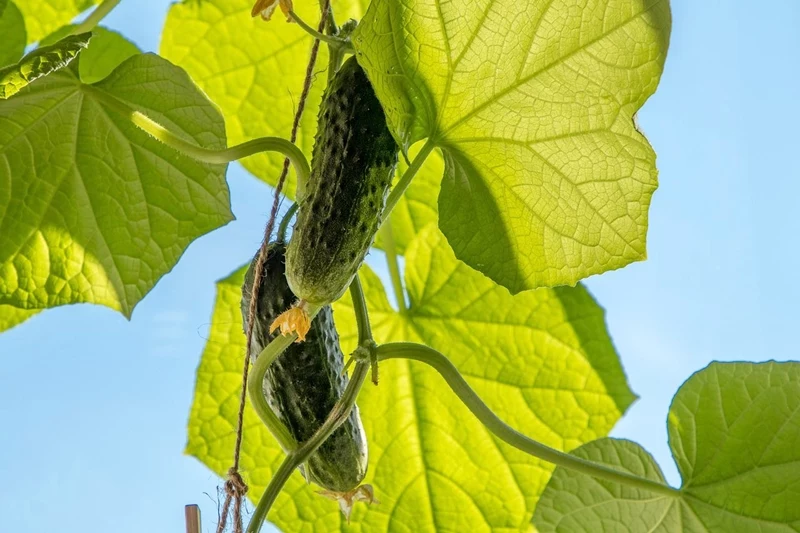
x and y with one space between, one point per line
303 384
352 166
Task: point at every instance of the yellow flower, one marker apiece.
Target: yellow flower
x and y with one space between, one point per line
295 320
265 8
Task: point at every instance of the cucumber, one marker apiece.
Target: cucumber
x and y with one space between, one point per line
352 165
304 382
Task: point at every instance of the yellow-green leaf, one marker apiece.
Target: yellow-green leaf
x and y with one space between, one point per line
100 210
547 180
42 17
11 316
542 360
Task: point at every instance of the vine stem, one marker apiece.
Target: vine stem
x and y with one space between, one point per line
440 363
400 188
255 389
329 39
206 155
287 218
299 454
360 310
391 262
95 17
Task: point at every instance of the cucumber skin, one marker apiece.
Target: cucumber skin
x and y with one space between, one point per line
352 166
304 382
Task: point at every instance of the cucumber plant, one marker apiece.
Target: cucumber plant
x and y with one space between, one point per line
521 171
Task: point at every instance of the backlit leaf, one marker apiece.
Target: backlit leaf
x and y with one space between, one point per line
734 429
40 62
42 17
547 180
542 360
98 211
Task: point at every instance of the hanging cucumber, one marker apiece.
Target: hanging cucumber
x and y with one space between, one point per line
303 384
352 165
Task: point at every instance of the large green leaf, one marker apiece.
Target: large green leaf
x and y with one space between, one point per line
40 62
11 316
12 28
542 360
734 429
547 179
94 209
42 17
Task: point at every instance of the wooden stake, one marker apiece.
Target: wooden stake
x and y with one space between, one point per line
192 519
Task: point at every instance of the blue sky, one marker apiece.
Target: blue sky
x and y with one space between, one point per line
93 408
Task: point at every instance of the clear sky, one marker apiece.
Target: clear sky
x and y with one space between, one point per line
93 408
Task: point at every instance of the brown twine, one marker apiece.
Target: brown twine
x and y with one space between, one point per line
235 487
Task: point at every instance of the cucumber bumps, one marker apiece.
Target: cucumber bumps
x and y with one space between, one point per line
352 166
303 383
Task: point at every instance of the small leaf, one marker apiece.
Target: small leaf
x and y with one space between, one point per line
542 360
43 17
107 50
12 28
11 316
99 211
734 429
547 180
41 62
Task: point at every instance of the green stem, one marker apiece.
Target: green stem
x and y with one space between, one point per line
330 24
360 310
95 17
335 57
330 39
424 354
405 181
299 456
287 218
391 262
255 386
205 155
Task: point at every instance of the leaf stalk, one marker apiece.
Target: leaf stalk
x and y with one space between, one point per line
329 39
255 390
207 155
394 269
400 188
440 363
94 18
